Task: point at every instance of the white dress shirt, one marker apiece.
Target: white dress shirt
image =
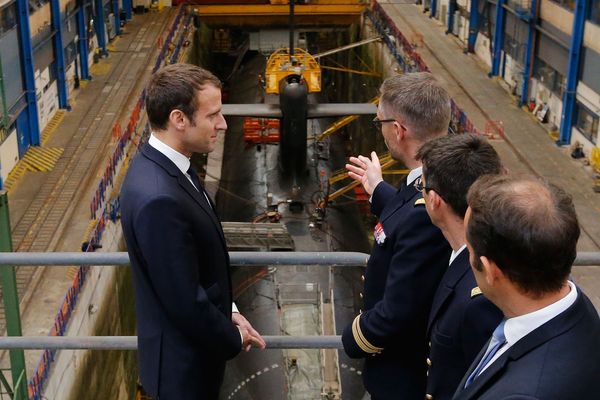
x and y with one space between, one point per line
456 253
182 163
518 327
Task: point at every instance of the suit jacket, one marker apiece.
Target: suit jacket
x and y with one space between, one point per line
461 321
181 277
559 360
401 277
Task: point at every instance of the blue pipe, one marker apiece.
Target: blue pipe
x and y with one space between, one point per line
533 17
59 55
498 37
100 29
473 25
83 45
582 10
33 128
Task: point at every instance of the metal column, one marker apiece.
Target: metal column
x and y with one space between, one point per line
100 27
582 10
11 303
433 8
530 52
473 25
115 5
83 40
498 37
451 10
59 55
128 8
26 53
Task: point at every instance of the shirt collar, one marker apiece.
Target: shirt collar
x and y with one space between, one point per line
181 161
413 175
456 253
518 327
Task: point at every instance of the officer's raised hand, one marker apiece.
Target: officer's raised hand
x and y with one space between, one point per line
366 170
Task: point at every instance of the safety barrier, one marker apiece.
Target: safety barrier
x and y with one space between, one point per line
102 209
411 61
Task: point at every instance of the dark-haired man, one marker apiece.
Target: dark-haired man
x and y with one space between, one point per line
522 236
409 255
185 325
461 319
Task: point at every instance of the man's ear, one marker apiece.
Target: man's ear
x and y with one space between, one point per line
400 131
178 119
434 199
492 272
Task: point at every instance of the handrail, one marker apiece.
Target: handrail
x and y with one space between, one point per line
238 258
130 342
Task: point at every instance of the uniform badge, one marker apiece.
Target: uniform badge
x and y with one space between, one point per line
379 234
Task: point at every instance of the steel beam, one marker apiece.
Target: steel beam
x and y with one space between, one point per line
100 27
26 53
498 37
473 25
83 40
582 10
128 8
433 8
11 301
59 55
130 342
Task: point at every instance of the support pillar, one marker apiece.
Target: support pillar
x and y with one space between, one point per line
128 8
83 40
530 52
59 55
26 54
115 5
498 37
473 25
433 8
582 10
100 27
451 11
11 303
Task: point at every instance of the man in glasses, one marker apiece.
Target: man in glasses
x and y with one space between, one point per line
410 254
461 319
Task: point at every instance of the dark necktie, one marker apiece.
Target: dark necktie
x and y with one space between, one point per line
497 341
194 176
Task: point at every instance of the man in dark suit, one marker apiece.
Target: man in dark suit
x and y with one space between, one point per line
522 235
461 319
409 255
186 329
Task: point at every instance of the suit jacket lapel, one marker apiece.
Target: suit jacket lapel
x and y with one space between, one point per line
452 276
555 327
402 196
185 184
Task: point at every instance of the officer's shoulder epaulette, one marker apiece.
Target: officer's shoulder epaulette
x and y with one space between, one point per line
476 291
420 202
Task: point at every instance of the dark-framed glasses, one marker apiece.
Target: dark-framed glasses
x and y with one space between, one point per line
418 184
378 122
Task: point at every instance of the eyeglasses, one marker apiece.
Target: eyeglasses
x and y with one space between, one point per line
418 184
378 122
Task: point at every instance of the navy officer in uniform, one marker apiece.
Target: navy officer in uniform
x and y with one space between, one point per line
410 254
461 319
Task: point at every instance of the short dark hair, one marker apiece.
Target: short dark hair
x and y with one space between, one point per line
528 227
452 163
420 100
175 87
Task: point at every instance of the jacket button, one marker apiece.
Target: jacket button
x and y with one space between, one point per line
362 278
429 362
360 295
428 397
